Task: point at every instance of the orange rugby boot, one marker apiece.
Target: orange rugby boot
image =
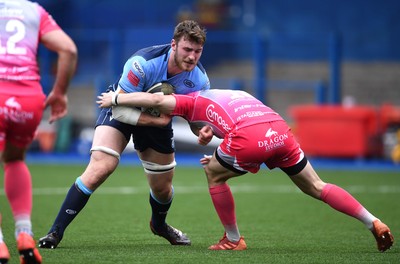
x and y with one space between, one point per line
4 254
225 244
28 253
381 232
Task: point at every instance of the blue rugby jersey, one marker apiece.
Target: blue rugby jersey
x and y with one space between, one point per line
148 66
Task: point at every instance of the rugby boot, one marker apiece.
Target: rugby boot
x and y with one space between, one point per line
173 235
225 244
28 253
381 232
51 240
4 254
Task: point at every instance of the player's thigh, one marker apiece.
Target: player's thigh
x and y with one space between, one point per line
152 155
106 140
109 137
160 139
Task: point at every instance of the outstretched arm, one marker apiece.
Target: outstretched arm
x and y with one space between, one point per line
164 103
124 107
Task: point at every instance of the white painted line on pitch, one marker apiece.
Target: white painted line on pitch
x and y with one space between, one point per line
379 189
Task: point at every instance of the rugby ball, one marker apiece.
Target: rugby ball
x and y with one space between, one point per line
162 87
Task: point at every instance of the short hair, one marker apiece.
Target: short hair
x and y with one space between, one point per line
190 30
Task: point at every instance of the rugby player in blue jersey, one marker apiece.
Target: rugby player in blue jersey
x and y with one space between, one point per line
176 63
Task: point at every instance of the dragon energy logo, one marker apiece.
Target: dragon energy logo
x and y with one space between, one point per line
273 140
13 111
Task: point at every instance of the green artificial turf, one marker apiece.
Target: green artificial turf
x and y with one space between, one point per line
279 223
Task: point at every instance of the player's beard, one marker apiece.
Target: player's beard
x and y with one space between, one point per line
182 64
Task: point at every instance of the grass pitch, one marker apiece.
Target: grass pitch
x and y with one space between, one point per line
279 223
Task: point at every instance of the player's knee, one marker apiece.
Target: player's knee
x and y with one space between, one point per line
106 150
98 171
207 170
155 168
103 161
11 154
213 180
317 188
313 189
211 174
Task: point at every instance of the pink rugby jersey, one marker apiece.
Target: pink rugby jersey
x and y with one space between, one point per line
22 23
223 110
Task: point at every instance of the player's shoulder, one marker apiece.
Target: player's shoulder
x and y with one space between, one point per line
149 59
201 68
199 76
153 52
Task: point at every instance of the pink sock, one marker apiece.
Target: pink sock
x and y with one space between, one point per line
18 187
344 202
224 204
341 200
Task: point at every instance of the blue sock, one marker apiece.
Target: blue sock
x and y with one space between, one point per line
76 199
159 212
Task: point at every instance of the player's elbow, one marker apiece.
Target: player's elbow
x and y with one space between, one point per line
70 50
58 41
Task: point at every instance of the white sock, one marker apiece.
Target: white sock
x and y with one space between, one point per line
367 218
232 233
23 225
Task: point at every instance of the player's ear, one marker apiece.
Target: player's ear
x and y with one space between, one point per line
173 44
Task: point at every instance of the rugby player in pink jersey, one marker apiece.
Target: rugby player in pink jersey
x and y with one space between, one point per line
23 25
252 134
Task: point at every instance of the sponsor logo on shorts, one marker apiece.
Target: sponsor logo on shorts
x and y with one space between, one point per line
12 103
173 143
273 140
271 133
13 111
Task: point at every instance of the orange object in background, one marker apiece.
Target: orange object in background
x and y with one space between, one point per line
390 122
46 140
395 152
337 131
46 135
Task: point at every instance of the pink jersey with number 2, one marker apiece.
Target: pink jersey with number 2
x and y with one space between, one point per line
22 23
